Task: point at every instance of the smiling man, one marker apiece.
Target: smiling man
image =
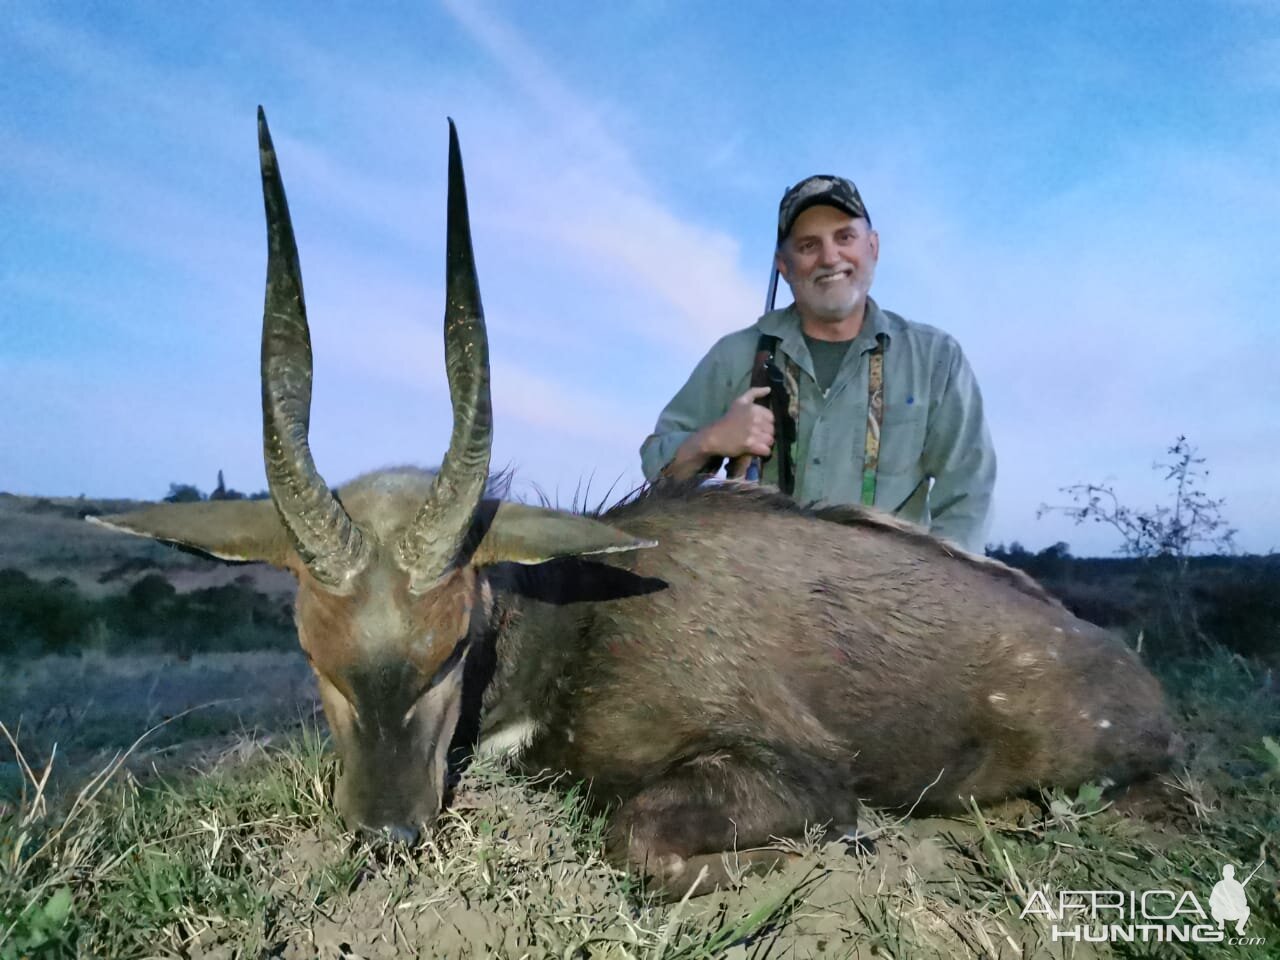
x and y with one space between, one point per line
886 412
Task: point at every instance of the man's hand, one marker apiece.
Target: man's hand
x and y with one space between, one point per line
746 428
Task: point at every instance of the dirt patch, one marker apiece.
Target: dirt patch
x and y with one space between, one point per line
506 875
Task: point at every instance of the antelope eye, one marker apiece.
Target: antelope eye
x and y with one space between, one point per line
446 666
451 661
459 650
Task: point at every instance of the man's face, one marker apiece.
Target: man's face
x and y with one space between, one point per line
829 259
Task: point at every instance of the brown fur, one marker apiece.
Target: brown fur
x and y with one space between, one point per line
793 662
764 667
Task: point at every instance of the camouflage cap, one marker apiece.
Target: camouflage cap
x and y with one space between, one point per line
822 189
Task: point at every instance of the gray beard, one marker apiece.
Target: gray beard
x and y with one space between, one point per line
830 315
821 313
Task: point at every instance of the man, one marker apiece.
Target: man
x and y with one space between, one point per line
886 412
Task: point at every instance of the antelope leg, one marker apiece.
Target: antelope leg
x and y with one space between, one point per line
716 812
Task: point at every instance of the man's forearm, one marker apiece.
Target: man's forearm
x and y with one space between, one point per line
690 457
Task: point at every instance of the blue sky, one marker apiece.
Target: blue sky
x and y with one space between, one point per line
1084 194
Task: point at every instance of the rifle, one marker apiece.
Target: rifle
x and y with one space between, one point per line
765 372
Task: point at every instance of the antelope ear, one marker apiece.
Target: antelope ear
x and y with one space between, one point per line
245 530
518 533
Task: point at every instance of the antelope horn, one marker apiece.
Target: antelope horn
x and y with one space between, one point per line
326 538
434 541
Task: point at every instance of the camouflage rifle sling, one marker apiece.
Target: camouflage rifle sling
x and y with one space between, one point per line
875 413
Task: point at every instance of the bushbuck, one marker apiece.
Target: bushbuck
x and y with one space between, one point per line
724 665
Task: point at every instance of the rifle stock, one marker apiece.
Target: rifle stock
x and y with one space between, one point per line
746 466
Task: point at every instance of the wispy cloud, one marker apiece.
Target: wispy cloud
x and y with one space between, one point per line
578 122
1127 315
592 200
1097 239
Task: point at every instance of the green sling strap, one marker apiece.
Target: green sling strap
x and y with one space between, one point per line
875 412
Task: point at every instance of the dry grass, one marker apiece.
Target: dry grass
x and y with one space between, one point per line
214 836
94 704
247 859
241 856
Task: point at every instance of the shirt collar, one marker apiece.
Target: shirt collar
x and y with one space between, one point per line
875 325
785 325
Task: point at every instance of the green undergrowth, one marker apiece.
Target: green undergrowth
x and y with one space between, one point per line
241 855
248 857
42 617
123 866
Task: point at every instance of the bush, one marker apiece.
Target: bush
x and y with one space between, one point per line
1164 537
1242 609
38 617
183 493
126 567
52 616
189 493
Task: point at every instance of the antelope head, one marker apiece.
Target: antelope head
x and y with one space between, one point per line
390 575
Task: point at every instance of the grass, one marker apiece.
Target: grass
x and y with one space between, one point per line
242 856
249 857
45 538
214 835
95 704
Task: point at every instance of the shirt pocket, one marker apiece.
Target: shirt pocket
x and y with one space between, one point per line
902 433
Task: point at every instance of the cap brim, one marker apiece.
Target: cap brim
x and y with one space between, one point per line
821 200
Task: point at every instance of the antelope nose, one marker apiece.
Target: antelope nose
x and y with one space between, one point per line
394 833
405 835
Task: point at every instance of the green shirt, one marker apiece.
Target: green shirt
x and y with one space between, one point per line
827 355
937 464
